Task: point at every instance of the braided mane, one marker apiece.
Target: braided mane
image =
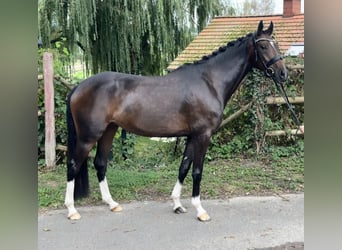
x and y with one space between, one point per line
220 50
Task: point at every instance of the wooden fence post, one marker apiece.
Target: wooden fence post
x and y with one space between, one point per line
50 139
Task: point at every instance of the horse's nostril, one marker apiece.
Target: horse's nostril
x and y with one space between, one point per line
283 74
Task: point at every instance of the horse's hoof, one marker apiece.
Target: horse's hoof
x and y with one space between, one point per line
180 210
118 208
204 217
75 216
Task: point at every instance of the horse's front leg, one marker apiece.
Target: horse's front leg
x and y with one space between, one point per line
183 171
201 147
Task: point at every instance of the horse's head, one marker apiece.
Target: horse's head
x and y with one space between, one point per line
268 58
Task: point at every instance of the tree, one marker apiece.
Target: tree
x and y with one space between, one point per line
257 7
254 7
133 36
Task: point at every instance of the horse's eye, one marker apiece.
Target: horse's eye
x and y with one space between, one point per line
263 46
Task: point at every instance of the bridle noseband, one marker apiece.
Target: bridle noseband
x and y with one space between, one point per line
267 65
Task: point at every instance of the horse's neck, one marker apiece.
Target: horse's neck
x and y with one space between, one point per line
228 71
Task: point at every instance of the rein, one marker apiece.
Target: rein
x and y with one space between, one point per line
269 72
280 88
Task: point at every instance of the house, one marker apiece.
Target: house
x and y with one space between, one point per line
288 31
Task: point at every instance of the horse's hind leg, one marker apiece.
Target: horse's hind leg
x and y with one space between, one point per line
104 145
75 164
183 171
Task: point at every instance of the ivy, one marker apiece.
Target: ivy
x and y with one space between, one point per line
246 135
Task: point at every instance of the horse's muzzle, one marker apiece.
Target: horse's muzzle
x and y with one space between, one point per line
283 75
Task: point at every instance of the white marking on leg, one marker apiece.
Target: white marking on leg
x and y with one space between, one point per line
106 197
176 193
196 202
69 198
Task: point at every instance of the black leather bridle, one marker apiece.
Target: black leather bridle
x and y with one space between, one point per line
267 64
269 72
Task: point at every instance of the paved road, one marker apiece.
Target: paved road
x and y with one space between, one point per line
238 223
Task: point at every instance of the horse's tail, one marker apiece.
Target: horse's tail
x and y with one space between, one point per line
81 179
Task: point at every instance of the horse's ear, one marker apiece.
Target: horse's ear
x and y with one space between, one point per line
260 27
270 29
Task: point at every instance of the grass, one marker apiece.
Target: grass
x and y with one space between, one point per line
152 172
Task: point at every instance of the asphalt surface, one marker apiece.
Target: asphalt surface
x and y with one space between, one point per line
274 222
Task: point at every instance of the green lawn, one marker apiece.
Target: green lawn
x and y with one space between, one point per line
151 173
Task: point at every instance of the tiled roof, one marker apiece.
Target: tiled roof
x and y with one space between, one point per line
287 31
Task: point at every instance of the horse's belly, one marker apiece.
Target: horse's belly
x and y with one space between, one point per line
154 125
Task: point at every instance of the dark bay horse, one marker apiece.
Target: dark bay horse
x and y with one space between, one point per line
188 102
